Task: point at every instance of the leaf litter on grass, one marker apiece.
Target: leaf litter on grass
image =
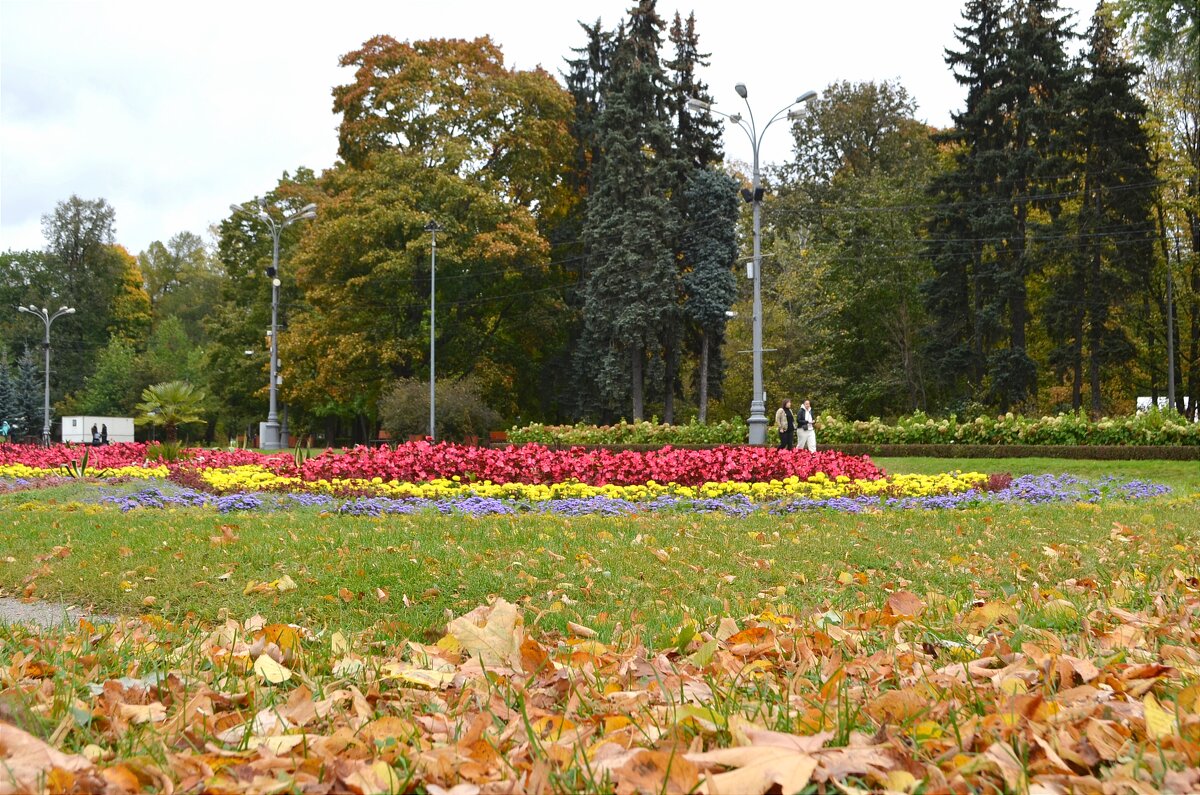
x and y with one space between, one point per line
922 694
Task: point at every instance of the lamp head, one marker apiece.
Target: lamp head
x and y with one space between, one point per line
807 96
740 88
698 104
736 118
276 282
308 208
433 226
237 208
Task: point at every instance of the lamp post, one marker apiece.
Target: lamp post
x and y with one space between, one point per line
432 228
270 436
47 319
758 415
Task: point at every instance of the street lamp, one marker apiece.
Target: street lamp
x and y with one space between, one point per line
47 319
270 437
758 415
432 228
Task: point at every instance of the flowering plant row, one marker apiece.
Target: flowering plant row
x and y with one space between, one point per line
1151 428
241 479
418 462
920 493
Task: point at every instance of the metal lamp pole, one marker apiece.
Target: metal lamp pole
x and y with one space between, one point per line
47 319
270 440
432 228
758 407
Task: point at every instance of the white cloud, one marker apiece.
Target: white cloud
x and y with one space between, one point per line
172 111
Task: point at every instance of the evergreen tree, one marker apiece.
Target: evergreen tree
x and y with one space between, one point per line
630 292
962 331
1113 220
8 395
697 135
1004 193
29 393
710 286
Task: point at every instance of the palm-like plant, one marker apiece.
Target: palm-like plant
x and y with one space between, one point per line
171 404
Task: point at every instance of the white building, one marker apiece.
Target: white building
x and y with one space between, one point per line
79 429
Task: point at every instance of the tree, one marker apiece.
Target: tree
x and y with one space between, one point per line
171 404
130 312
113 387
710 287
1100 276
853 200
8 393
182 280
29 393
437 130
630 296
1012 165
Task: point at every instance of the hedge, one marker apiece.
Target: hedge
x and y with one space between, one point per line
1152 429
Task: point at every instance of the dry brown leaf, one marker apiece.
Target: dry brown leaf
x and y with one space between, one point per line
497 642
756 769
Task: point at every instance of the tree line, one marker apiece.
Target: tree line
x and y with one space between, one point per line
1031 256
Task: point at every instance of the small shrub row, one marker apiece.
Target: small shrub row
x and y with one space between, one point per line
1084 451
1153 428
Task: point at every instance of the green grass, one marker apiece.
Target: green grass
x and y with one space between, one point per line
657 570
1182 476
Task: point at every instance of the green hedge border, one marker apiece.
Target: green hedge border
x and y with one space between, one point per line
1080 451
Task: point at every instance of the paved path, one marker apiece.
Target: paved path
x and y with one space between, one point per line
47 614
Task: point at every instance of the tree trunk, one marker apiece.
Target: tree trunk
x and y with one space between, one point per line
703 377
669 385
636 386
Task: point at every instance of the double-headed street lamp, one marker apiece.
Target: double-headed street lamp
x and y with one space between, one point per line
758 415
270 436
432 228
47 319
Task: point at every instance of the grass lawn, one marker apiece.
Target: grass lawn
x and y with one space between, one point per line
1182 476
993 649
657 570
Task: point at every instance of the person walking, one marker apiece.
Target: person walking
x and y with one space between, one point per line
785 422
104 434
5 430
806 420
95 435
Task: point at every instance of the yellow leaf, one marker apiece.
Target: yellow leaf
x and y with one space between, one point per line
338 644
1159 722
497 642
845 578
421 677
271 671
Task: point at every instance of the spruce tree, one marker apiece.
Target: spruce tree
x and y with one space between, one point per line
29 395
1113 252
630 289
961 293
710 246
8 397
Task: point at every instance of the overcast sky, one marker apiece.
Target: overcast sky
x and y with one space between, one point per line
171 111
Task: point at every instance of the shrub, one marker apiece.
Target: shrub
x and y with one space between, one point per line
461 412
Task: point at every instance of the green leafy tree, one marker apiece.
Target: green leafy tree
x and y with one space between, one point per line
171 404
182 280
113 387
461 411
858 146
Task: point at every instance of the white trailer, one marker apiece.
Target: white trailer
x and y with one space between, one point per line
79 429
